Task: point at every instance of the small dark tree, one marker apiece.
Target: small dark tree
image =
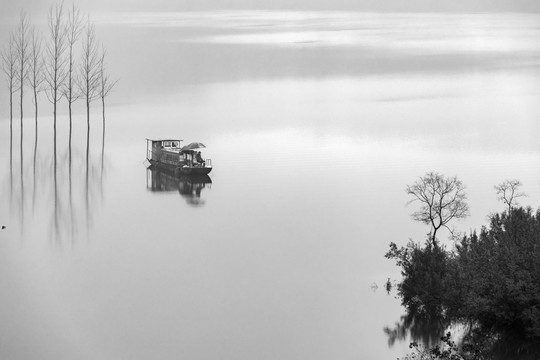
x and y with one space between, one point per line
423 269
508 192
441 198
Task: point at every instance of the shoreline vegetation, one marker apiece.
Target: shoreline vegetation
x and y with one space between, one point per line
488 282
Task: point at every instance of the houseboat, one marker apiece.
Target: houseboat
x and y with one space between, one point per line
168 154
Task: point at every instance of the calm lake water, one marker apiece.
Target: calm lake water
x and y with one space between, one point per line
314 122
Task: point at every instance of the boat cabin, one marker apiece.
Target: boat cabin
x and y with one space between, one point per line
155 149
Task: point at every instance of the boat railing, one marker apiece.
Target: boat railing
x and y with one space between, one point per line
208 163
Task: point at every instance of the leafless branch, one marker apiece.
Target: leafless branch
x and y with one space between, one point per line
55 63
10 64
441 200
36 65
89 76
73 32
508 192
22 46
105 82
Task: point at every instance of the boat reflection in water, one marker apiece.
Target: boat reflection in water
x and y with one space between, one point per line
189 186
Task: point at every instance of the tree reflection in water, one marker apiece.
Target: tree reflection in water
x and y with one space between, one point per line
65 189
426 327
189 187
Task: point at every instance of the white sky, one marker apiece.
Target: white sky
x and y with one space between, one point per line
10 7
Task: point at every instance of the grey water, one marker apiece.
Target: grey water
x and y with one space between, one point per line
315 122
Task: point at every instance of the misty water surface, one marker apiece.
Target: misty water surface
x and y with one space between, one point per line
314 122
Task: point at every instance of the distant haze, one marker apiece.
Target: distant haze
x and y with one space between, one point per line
37 6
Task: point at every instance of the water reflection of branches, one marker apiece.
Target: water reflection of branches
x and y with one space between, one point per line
426 327
472 342
66 186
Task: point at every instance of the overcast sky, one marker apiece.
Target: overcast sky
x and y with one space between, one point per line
40 6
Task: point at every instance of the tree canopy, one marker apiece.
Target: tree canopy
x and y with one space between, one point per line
441 199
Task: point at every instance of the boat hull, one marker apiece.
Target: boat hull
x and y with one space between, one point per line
181 169
193 171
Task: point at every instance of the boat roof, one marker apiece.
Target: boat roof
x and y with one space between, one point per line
163 139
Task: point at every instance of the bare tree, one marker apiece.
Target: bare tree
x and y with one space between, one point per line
105 83
55 76
22 45
508 192
88 80
36 77
55 64
105 86
441 198
73 32
88 83
9 67
35 80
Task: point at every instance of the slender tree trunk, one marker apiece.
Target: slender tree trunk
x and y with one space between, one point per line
11 142
103 114
54 117
70 128
35 146
54 126
70 94
55 184
70 178
22 155
55 168
102 146
87 195
22 107
35 122
103 134
88 116
70 170
70 101
434 238
71 213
